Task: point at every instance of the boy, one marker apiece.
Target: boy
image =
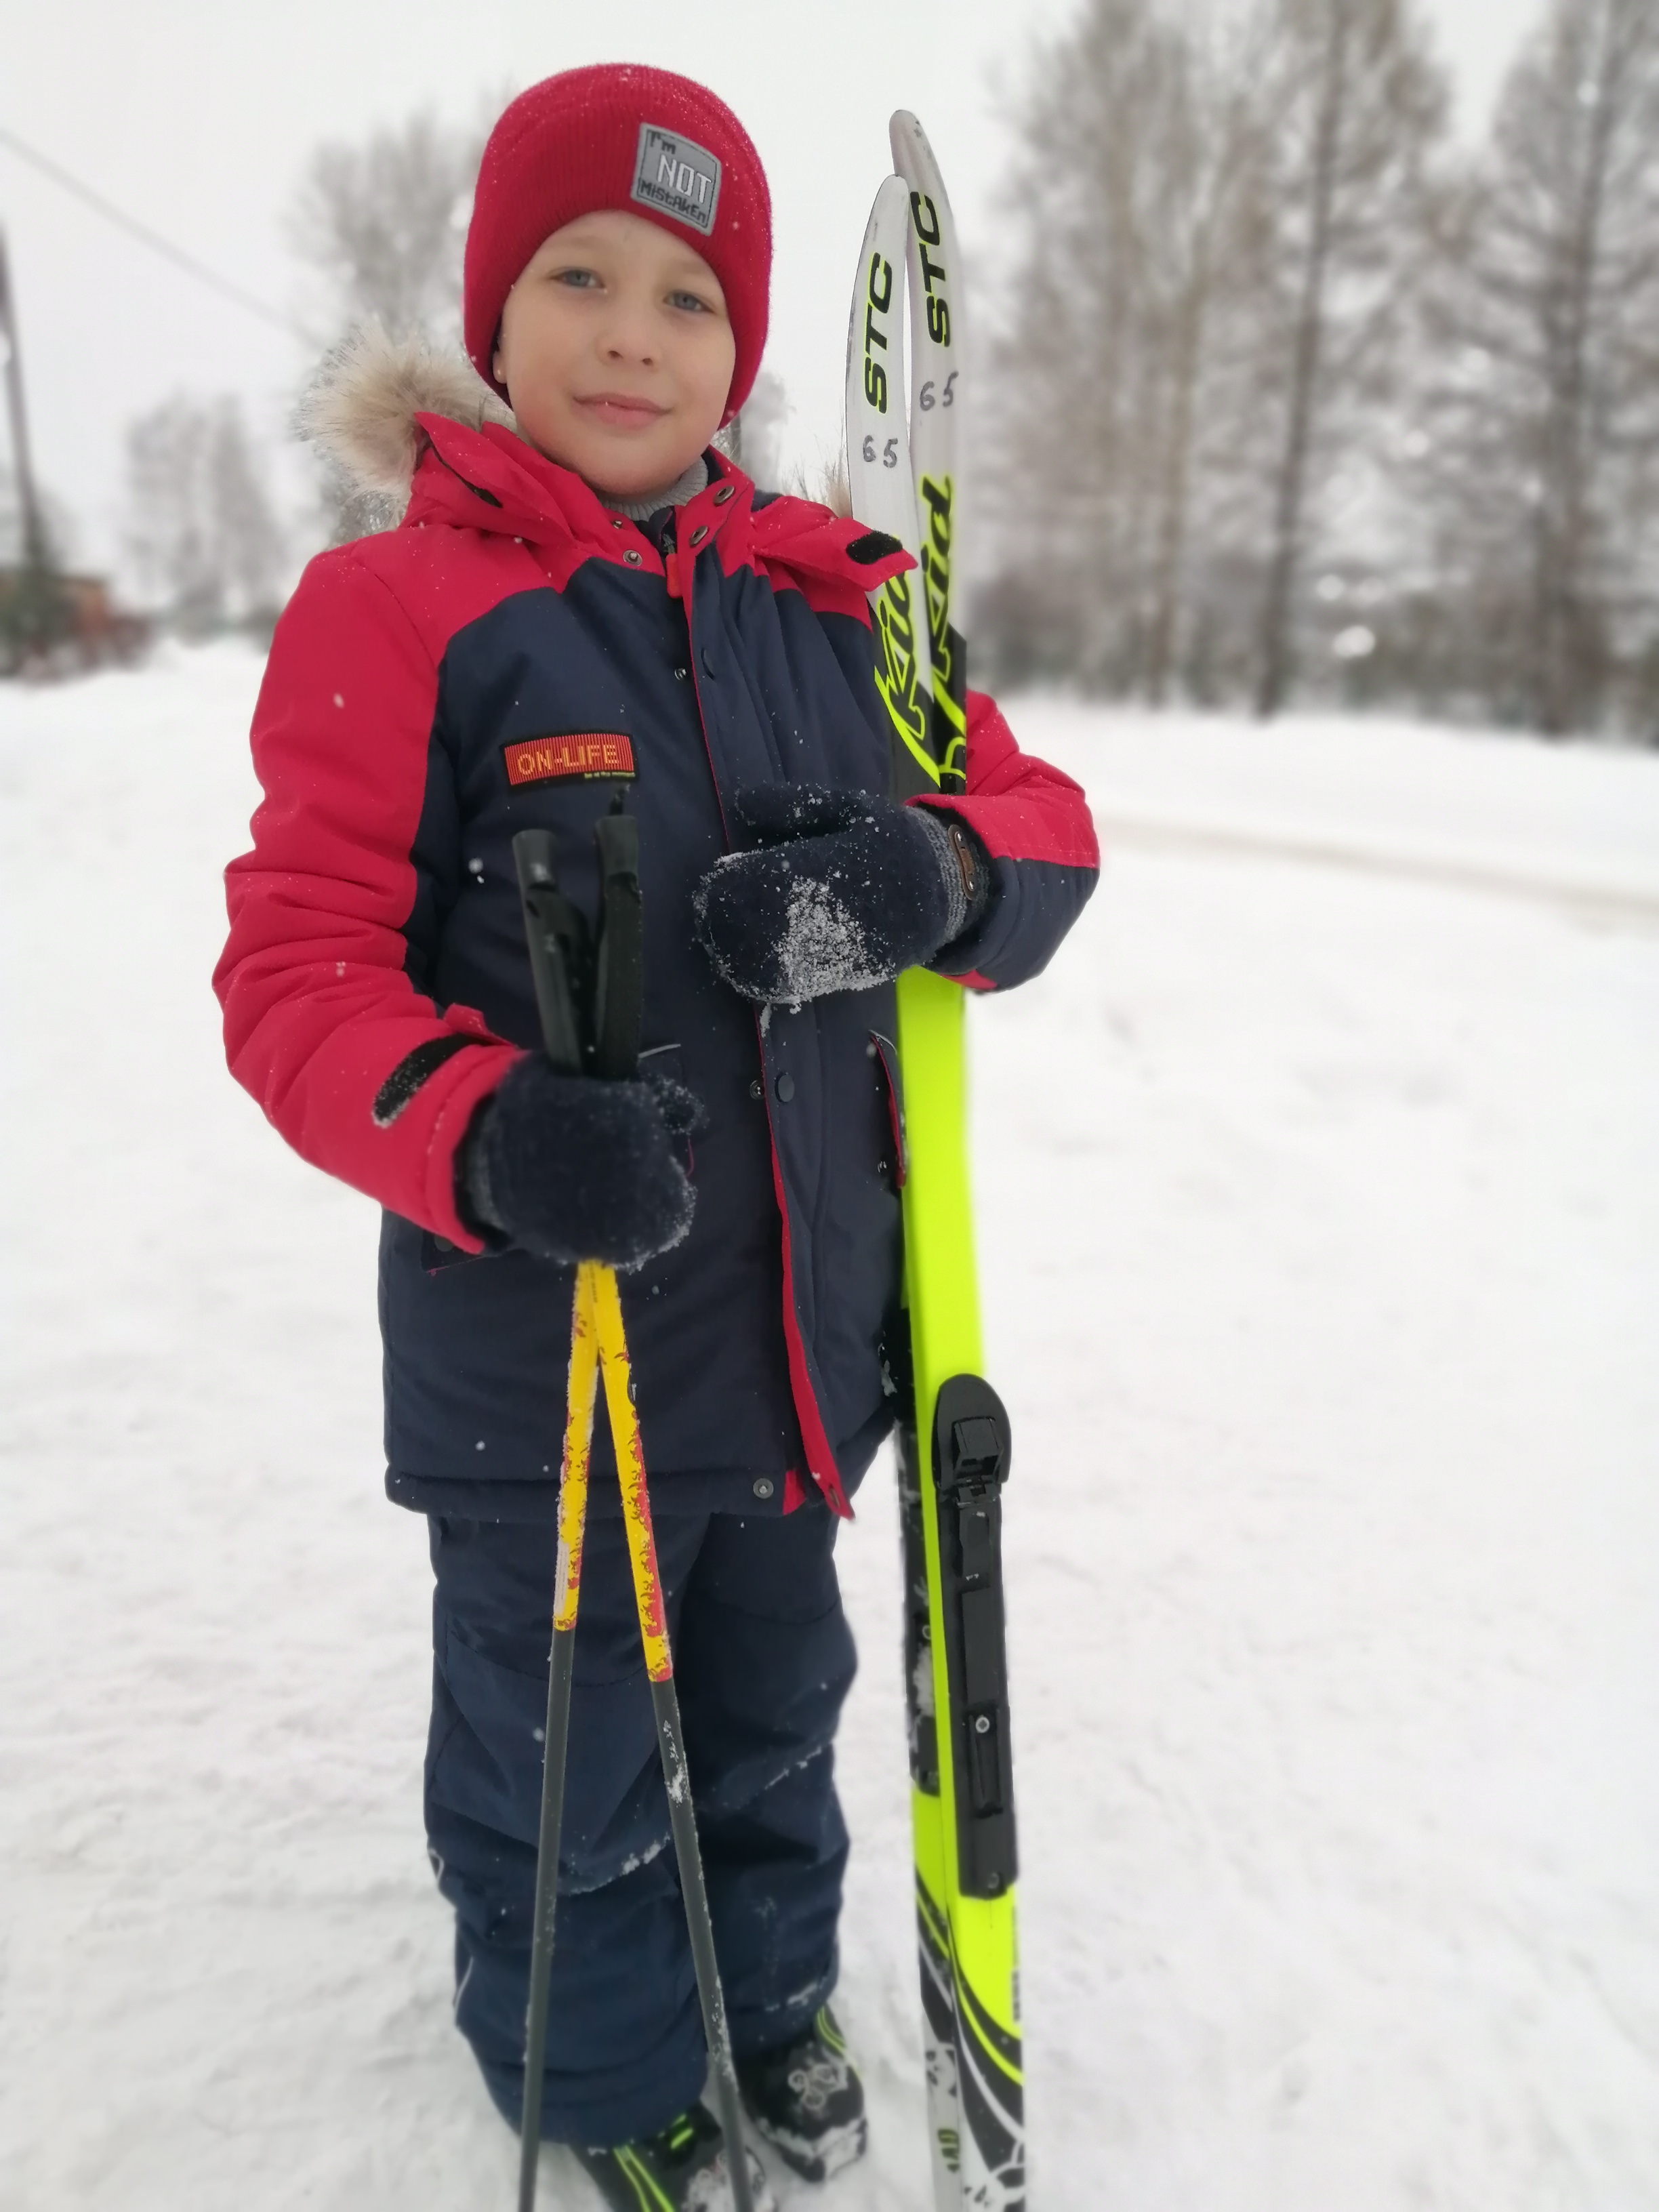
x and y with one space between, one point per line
583 598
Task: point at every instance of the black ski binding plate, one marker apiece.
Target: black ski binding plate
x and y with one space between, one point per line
972 1444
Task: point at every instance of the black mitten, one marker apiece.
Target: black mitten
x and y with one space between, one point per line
838 891
572 1168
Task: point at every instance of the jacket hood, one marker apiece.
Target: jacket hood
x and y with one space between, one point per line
362 409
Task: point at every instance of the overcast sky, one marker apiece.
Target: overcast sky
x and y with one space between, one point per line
197 117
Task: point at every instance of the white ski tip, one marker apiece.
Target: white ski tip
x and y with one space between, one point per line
903 125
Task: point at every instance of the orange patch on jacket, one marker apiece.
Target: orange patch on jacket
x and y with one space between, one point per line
573 752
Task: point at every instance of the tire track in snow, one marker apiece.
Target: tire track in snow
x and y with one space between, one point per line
1633 904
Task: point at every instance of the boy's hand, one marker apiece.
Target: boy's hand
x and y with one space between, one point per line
837 891
572 1168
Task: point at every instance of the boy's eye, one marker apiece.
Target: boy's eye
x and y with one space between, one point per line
689 300
579 279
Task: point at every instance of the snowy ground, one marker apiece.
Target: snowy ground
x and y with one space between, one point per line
1320 1202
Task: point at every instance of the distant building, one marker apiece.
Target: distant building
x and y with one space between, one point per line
77 614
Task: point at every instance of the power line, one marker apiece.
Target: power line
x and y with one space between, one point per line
146 236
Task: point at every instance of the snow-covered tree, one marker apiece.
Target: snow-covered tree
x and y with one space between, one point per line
1138 239
1220 212
381 228
1542 463
200 528
382 225
1360 106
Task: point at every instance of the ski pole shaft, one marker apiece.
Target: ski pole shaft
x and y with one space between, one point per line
683 1820
580 1395
554 936
665 1704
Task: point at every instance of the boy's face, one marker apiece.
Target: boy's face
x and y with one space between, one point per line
616 353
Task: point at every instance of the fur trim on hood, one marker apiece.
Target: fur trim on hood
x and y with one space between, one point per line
360 408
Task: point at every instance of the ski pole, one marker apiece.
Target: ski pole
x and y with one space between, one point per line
557 938
552 929
566 1590
666 1704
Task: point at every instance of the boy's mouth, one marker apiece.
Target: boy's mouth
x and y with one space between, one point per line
622 411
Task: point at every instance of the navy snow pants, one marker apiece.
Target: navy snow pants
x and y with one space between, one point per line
762 1659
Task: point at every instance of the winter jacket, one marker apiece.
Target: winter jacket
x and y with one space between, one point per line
513 654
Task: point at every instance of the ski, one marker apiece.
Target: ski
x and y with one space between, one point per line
953 1441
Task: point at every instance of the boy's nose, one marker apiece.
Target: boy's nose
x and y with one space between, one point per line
631 337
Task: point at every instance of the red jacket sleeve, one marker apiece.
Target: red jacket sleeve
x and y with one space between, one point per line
364 1075
1033 822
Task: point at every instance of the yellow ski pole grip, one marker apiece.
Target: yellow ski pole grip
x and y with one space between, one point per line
581 1393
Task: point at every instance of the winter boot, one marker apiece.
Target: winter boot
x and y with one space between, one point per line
681 2170
807 2101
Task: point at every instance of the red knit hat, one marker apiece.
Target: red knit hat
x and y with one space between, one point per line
642 140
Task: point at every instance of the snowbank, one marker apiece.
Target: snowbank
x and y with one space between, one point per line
1319 1226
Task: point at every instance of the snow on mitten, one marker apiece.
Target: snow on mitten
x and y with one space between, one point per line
837 891
572 1168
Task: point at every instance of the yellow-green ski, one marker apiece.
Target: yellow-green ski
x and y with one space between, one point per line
953 1452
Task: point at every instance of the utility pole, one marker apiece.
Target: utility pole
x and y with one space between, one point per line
32 611
11 349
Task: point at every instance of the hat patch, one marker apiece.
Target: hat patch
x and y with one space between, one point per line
677 178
